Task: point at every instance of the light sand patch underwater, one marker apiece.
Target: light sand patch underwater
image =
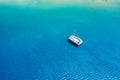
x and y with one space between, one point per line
59 3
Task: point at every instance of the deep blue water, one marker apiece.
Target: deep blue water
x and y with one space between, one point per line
33 44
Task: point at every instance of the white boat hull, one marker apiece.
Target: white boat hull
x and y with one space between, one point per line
76 40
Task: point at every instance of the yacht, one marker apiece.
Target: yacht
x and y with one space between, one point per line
75 40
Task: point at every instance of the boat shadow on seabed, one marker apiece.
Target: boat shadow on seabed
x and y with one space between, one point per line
72 43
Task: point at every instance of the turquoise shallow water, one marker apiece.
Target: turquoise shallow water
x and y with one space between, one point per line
33 44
